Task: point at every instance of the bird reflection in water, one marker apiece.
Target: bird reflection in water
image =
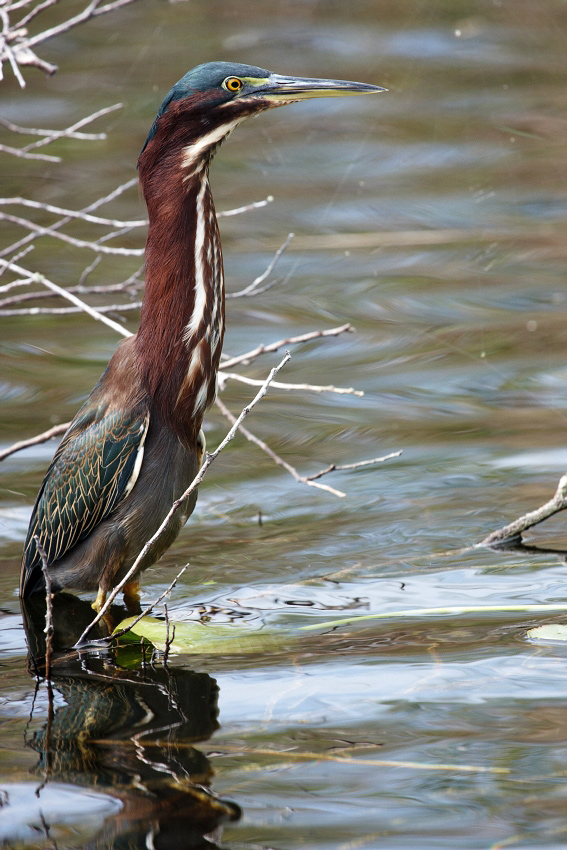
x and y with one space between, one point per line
127 728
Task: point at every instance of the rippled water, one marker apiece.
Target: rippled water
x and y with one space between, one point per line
436 731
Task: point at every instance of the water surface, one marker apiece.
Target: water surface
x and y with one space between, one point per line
439 731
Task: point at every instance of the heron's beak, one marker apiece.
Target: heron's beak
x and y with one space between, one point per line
279 90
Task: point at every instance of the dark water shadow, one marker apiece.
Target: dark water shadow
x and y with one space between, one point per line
126 728
518 547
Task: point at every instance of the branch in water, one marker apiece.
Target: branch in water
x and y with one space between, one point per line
515 529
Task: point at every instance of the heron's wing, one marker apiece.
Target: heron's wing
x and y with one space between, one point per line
94 468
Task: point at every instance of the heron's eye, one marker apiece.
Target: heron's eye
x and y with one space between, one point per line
232 84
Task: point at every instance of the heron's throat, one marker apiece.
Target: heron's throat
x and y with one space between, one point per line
179 341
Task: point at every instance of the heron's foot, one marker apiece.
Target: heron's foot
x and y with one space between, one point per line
131 594
100 599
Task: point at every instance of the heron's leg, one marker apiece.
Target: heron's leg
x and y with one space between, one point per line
131 594
100 599
201 447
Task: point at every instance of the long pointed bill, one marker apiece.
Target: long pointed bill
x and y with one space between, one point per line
279 90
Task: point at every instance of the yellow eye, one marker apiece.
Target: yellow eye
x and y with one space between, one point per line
232 84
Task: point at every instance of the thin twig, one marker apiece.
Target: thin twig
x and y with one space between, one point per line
255 205
34 441
48 609
272 454
39 278
314 388
281 343
90 11
93 219
146 610
249 290
70 131
209 459
338 467
168 639
6 287
65 311
105 199
131 285
515 529
38 230
24 155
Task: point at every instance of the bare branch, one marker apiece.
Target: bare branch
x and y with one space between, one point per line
24 155
94 219
281 343
71 240
209 458
15 283
272 454
58 224
35 11
70 131
39 278
131 284
515 529
314 388
89 11
36 131
34 441
255 205
339 467
16 45
64 311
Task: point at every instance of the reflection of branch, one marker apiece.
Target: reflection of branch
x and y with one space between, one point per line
515 529
209 458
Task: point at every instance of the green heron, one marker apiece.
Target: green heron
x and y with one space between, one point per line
136 444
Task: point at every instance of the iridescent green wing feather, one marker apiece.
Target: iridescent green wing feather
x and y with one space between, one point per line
94 468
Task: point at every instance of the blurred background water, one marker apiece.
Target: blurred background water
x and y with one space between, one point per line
460 351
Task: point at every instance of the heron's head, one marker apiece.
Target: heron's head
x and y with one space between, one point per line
209 101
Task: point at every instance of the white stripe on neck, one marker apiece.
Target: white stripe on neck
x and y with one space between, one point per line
193 154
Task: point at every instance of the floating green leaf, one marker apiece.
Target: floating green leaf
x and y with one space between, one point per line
203 638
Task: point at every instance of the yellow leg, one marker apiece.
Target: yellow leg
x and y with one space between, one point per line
100 599
131 594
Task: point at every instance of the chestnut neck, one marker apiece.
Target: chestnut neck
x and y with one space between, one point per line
179 341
